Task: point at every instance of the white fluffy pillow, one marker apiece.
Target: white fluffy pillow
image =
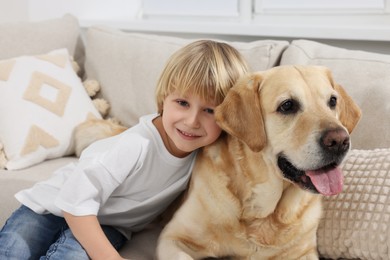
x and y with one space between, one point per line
41 101
356 223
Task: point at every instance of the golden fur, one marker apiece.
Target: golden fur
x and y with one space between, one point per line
239 203
93 130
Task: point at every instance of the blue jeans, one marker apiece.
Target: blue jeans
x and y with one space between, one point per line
28 235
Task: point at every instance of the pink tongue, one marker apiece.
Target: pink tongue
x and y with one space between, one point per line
327 182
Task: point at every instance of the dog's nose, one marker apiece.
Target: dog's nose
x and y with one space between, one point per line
335 141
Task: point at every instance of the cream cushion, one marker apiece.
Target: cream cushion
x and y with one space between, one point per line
31 38
356 223
41 101
128 65
364 75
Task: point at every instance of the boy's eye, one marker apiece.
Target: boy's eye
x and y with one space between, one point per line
182 103
209 110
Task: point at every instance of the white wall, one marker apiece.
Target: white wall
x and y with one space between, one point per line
13 10
260 21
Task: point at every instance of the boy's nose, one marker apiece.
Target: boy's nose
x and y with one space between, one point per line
192 120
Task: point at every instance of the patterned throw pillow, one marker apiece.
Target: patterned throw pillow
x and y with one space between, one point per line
355 223
41 101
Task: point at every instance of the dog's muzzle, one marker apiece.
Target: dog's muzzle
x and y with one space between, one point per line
328 178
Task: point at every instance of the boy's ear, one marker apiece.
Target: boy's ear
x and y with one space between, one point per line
240 112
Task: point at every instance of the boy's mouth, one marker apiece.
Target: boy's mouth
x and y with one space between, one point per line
187 134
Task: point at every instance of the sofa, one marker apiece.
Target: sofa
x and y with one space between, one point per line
37 141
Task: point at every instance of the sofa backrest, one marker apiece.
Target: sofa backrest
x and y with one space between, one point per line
33 38
364 75
128 65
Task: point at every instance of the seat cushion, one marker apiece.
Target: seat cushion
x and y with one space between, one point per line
14 181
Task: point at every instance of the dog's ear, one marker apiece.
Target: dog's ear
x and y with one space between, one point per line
349 112
240 113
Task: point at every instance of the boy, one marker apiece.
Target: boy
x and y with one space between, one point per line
120 184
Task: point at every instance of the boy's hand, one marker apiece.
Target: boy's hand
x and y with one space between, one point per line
90 235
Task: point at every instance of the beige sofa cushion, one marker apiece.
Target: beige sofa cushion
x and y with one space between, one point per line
31 38
128 65
14 181
365 76
356 223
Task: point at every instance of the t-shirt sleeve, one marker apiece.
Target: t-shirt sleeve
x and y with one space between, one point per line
101 169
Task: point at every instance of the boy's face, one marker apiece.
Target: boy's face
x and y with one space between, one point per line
189 123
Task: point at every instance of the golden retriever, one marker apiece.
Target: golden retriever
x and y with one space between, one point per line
256 192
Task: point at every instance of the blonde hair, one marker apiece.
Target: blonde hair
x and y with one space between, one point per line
205 68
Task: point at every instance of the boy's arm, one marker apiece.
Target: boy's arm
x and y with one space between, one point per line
90 235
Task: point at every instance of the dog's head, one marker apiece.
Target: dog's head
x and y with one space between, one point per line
300 116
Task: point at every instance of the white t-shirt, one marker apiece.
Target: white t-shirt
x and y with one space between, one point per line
126 180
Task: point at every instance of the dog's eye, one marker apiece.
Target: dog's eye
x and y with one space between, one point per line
332 102
289 106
